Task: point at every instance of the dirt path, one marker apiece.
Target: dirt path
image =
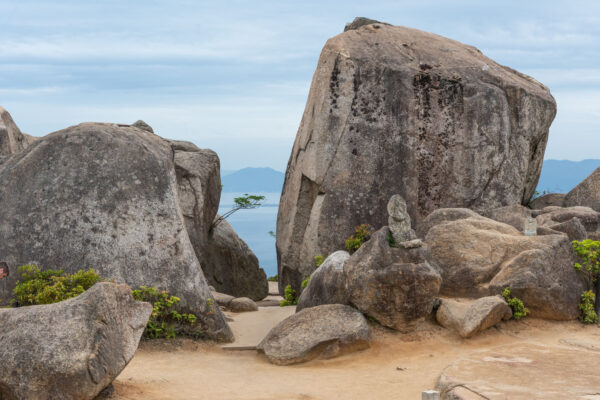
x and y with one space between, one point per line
397 366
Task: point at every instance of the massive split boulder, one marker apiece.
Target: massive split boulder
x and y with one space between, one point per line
72 349
107 197
325 331
479 257
394 110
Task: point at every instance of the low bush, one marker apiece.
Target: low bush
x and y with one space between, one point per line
273 278
588 313
50 286
362 233
588 252
167 321
517 306
289 298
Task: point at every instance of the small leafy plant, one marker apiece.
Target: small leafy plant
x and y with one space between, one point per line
305 282
588 313
319 259
517 306
166 321
588 251
362 233
289 298
273 278
245 202
50 286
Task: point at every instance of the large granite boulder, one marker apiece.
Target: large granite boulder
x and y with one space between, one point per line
394 110
395 286
327 285
479 257
104 196
587 193
325 331
72 349
230 266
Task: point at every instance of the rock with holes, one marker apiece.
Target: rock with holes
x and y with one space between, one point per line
325 331
480 257
72 349
395 110
116 198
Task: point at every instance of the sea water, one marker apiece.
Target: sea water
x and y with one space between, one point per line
253 227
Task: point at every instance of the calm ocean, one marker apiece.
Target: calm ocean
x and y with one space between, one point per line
254 225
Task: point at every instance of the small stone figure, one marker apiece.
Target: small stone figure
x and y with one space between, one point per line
530 228
399 220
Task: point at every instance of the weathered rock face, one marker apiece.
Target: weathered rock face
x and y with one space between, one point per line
72 349
468 318
480 257
587 193
230 266
325 331
11 139
514 215
394 110
395 286
327 284
104 196
399 220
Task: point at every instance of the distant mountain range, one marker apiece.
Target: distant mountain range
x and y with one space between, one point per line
255 180
560 176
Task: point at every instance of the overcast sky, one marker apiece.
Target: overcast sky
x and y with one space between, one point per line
234 75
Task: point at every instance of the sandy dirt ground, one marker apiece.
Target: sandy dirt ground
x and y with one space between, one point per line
397 366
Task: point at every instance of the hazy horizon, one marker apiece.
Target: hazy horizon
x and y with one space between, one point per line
234 76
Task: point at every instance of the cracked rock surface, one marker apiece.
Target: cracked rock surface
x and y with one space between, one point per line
394 110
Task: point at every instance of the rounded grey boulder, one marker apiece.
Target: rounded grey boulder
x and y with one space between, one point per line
70 350
325 331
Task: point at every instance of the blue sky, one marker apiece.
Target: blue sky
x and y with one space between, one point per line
234 75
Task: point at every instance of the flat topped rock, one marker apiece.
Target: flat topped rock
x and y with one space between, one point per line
522 372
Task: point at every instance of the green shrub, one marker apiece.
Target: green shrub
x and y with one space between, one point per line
588 313
319 259
273 278
167 321
361 235
517 306
289 298
51 286
588 251
305 282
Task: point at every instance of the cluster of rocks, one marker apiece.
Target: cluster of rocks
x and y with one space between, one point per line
137 208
